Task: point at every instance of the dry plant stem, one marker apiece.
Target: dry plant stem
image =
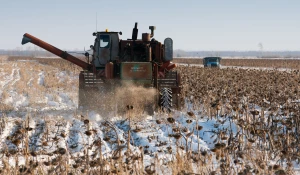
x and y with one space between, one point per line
128 139
87 152
17 164
198 136
100 162
272 91
26 142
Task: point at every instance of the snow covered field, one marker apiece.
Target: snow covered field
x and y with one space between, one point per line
39 116
43 132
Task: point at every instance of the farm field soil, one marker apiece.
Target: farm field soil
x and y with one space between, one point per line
42 131
245 62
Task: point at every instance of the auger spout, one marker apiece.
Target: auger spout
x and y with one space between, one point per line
63 54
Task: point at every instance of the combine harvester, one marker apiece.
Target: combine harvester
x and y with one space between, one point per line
144 62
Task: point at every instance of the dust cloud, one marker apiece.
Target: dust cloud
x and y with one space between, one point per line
113 100
140 98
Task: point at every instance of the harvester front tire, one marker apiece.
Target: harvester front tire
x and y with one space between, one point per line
165 99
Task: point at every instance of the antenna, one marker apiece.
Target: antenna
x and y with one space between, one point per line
96 21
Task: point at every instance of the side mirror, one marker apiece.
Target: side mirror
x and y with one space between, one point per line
92 47
152 28
168 55
120 33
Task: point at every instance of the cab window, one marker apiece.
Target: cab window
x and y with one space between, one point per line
104 41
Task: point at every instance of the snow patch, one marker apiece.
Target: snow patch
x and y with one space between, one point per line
16 100
93 116
61 76
29 83
41 78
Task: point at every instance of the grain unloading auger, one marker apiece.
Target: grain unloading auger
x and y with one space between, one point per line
143 62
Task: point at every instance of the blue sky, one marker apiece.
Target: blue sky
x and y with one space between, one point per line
211 25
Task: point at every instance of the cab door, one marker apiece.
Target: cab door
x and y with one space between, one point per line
104 48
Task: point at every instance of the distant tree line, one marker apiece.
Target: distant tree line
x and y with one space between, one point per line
39 52
258 54
31 51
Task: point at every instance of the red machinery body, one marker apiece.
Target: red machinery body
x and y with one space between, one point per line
145 62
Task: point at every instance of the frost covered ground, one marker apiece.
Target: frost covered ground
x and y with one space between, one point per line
40 120
43 100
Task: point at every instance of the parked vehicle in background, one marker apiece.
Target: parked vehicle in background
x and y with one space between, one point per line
212 62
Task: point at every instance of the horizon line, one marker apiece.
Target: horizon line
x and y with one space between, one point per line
15 49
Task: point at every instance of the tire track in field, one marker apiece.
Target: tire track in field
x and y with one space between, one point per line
36 139
10 79
55 134
17 77
6 131
14 139
14 75
99 137
75 138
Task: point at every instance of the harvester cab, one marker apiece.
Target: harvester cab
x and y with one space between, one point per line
144 62
105 48
109 48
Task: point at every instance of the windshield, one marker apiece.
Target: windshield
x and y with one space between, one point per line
212 59
104 41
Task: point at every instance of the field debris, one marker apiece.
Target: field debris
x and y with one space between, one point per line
233 121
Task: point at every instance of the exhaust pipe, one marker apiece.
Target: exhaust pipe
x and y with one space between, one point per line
152 28
135 31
